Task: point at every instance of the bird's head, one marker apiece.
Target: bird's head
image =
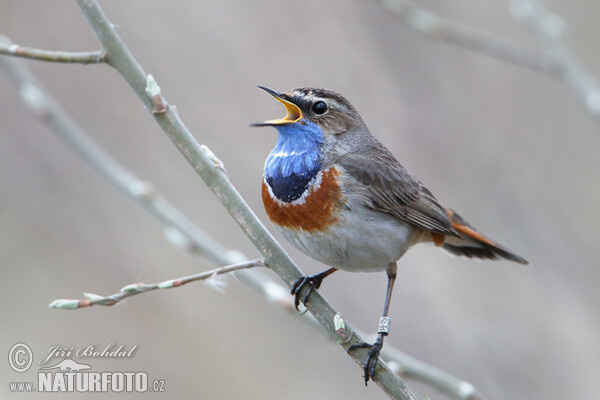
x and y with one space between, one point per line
310 109
319 127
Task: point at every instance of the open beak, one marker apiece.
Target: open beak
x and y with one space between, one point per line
293 112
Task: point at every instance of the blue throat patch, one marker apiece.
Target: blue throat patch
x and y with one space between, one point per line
294 161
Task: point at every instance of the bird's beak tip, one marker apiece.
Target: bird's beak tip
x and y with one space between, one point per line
274 93
293 112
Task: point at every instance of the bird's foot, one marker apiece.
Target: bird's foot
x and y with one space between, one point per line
372 357
313 282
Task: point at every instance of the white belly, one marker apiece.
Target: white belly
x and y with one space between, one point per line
361 240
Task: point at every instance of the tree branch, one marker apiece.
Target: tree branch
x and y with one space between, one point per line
441 380
87 57
550 28
436 27
555 58
142 192
138 288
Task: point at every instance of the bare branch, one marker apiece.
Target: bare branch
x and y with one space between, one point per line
550 29
436 27
555 58
409 367
86 57
139 288
142 192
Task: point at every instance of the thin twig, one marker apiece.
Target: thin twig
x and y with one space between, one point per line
142 192
85 57
139 288
441 380
554 59
550 28
434 26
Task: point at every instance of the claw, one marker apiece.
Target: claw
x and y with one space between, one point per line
373 356
313 282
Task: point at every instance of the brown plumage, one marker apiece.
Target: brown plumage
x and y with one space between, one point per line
315 211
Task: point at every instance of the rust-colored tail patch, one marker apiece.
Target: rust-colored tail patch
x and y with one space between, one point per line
479 246
461 227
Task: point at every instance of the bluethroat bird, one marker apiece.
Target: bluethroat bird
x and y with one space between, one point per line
338 195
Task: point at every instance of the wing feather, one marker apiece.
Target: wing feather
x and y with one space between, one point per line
391 189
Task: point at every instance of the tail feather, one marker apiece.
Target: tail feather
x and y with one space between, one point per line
472 244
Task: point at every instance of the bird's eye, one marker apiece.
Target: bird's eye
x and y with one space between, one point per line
319 107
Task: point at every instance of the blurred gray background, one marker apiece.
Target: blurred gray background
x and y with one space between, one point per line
508 148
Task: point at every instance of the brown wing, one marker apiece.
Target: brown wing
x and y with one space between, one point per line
391 189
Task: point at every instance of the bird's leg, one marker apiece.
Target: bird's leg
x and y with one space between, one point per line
313 282
382 331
